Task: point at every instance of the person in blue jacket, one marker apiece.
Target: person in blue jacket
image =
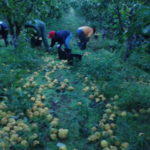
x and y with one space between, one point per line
63 38
4 32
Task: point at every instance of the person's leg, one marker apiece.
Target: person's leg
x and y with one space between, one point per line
82 38
5 37
69 37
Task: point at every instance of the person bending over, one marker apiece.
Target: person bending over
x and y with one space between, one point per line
37 31
83 34
63 38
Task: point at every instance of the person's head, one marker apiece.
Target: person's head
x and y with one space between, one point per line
51 34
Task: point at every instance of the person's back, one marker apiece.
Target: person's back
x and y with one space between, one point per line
88 31
61 36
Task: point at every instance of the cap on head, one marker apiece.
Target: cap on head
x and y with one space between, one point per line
51 34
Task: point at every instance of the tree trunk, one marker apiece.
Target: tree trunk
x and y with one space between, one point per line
131 37
121 30
12 30
128 49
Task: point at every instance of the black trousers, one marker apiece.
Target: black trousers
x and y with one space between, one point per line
4 34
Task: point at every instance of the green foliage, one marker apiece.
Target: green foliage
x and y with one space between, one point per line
23 10
21 62
131 129
121 20
17 13
131 84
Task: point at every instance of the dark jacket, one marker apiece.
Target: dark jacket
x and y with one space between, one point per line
60 37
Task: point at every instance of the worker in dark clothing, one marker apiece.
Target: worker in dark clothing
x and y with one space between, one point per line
4 32
63 38
37 29
84 33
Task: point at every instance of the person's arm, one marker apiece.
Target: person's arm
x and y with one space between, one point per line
53 42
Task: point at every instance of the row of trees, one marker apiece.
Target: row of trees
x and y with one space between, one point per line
125 20
17 12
